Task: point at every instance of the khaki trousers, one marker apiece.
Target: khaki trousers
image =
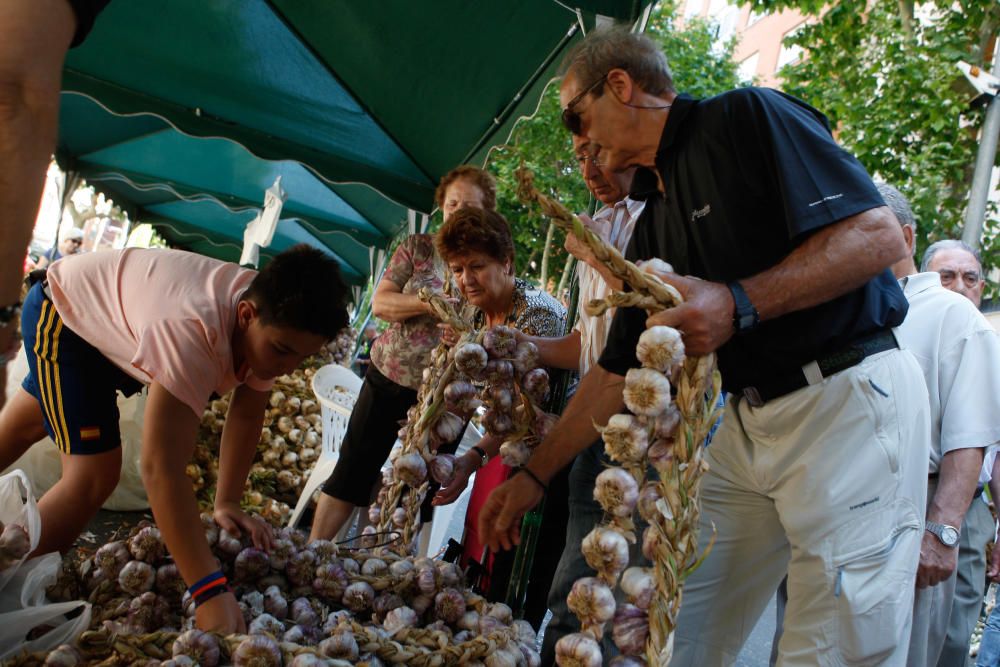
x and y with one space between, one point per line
828 483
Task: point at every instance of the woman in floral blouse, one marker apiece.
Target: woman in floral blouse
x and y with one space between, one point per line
478 248
398 356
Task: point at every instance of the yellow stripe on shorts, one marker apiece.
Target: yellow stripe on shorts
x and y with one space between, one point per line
41 347
60 409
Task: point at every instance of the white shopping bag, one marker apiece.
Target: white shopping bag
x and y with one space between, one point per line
23 605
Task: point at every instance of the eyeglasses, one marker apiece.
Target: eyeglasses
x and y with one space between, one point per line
970 278
75 241
570 118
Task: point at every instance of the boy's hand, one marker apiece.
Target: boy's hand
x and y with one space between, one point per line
234 520
221 614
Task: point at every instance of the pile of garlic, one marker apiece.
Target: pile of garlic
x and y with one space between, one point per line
488 370
311 600
645 439
290 444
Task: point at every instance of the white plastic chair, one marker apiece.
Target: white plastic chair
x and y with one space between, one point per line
336 389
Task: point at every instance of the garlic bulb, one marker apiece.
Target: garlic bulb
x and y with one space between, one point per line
427 580
374 514
257 651
385 603
591 600
667 423
375 567
660 454
625 439
148 612
302 612
308 660
502 657
325 550
200 646
525 357
468 621
448 427
251 564
501 399
111 557
627 661
497 423
630 629
660 348
449 605
536 384
229 545
489 624
359 596
411 469
147 545
350 566
277 399
67 655
169 582
616 491
471 359
275 603
606 551
400 568
399 619
421 603
499 371
137 577
285 424
544 421
281 550
341 645
638 585
578 650
647 392
450 574
529 656
331 581
442 469
525 632
648 495
301 568
515 453
501 612
500 342
265 624
651 543
457 394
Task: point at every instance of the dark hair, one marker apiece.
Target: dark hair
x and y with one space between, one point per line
301 289
604 49
476 230
481 178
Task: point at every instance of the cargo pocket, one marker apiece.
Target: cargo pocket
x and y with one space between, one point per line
871 388
873 586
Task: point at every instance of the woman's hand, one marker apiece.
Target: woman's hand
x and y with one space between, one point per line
448 335
464 467
232 519
220 614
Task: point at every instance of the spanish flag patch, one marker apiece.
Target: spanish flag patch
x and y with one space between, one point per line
90 433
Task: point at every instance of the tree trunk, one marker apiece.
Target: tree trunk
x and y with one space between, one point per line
545 256
568 267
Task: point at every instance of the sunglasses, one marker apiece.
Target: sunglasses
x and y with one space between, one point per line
570 118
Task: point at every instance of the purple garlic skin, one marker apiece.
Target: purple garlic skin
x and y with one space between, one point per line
447 428
111 557
499 372
301 568
457 393
578 649
267 625
385 603
147 545
169 582
257 651
341 646
148 611
411 469
500 342
400 619
630 629
498 423
275 603
331 581
66 655
229 546
525 357
536 385
281 550
359 597
442 469
251 564
137 577
302 612
202 647
471 359
501 399
449 605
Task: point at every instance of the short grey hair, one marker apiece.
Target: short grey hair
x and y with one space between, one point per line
898 204
949 244
605 49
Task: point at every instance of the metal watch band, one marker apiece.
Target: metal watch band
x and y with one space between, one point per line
938 529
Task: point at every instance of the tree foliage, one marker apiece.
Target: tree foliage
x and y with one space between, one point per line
541 143
884 72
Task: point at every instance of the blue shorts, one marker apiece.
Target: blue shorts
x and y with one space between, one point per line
76 385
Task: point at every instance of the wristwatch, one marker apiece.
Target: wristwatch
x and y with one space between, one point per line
948 535
745 316
482 455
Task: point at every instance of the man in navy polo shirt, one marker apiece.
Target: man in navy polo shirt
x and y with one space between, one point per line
781 244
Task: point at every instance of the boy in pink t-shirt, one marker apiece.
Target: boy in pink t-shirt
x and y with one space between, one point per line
187 326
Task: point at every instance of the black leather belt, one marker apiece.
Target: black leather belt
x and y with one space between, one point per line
815 371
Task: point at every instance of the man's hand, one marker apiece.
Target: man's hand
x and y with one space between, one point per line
234 520
220 614
993 567
500 518
937 561
705 319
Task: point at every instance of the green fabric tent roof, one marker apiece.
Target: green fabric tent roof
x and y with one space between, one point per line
388 94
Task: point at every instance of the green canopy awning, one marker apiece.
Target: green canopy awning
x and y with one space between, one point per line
216 98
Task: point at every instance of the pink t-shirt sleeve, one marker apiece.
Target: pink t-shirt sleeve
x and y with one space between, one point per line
179 356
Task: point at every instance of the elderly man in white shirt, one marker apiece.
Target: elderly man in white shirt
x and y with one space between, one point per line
579 351
959 353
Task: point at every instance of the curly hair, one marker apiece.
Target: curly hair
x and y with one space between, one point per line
481 178
476 230
301 289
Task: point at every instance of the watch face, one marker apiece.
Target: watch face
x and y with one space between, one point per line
949 536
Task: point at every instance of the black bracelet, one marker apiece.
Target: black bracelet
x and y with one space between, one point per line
212 592
533 476
485 458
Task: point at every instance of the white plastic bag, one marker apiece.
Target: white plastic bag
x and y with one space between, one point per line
23 605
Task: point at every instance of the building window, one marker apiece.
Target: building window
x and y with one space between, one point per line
790 53
756 16
748 69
